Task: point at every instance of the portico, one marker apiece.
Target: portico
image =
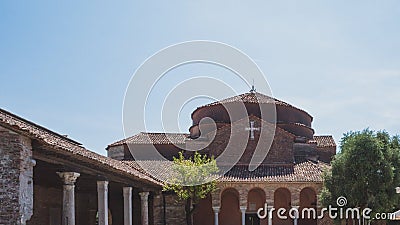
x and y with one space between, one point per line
238 203
57 181
77 196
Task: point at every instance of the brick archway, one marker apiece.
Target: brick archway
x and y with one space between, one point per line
308 199
282 199
230 212
255 199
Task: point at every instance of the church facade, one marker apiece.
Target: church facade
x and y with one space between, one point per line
47 178
289 176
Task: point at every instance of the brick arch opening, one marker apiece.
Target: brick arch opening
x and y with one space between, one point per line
230 213
282 199
255 199
203 213
308 199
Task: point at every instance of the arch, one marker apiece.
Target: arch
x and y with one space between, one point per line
282 199
308 199
203 214
256 199
230 213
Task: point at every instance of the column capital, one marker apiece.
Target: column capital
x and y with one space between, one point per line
68 178
102 184
144 195
127 190
216 209
243 208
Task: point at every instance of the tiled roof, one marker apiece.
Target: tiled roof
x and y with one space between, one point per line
153 138
324 141
173 138
306 171
61 144
252 97
159 170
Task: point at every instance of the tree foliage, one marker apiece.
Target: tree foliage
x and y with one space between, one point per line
366 172
193 180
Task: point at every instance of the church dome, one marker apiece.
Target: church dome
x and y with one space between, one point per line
288 117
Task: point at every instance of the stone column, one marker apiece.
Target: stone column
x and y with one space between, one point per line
216 211
127 205
68 211
270 214
144 197
243 210
296 215
102 199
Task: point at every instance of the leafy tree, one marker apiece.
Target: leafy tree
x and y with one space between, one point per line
366 172
193 179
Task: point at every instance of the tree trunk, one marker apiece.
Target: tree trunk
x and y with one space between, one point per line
189 212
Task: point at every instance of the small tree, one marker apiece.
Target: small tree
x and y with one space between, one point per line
366 172
193 179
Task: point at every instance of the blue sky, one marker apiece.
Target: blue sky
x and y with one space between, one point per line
66 65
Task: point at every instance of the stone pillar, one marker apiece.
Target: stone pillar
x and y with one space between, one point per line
144 197
296 215
127 205
243 210
102 199
16 176
68 210
216 211
270 214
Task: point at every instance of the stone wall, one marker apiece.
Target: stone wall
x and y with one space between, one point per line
158 209
16 184
174 210
116 152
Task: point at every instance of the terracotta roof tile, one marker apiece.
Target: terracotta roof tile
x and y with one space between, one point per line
306 171
324 141
174 138
60 143
159 170
252 97
153 138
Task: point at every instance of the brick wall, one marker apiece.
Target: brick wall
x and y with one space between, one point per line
16 185
174 210
281 150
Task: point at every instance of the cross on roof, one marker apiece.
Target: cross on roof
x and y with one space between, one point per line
252 129
253 88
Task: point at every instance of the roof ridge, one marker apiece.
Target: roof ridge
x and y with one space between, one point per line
143 132
58 142
243 95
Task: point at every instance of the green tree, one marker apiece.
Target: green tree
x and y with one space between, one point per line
366 172
193 179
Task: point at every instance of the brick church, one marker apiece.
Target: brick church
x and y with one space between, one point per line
47 178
